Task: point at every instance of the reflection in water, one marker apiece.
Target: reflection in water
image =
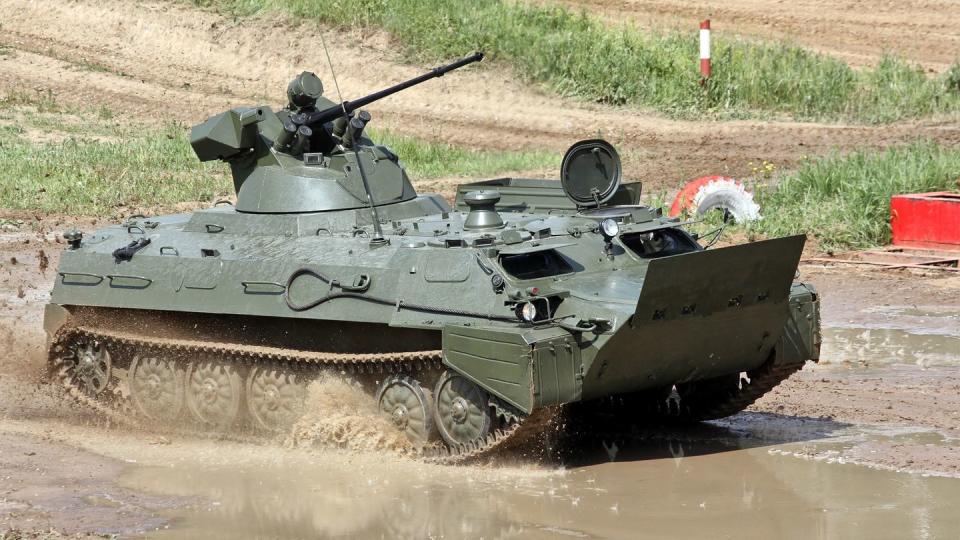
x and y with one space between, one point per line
708 484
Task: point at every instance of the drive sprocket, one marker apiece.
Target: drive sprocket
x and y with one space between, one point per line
87 364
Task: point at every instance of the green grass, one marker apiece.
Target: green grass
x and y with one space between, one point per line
424 159
92 177
578 55
844 200
94 166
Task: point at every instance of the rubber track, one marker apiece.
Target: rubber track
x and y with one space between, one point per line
406 362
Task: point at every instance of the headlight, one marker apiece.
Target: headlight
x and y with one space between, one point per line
526 312
609 228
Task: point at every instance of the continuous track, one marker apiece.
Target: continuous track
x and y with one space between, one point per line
708 400
711 402
116 407
516 429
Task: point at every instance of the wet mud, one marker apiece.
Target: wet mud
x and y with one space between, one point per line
44 486
718 483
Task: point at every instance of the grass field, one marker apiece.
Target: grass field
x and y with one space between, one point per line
88 163
844 200
580 56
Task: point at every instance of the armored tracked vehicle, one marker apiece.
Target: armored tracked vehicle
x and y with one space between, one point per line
467 325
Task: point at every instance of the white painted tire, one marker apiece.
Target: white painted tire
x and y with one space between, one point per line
729 195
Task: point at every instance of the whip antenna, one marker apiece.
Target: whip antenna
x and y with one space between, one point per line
378 239
333 73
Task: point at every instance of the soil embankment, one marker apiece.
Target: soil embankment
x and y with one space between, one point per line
857 31
160 62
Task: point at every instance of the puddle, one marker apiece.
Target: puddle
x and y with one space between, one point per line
926 336
886 346
720 482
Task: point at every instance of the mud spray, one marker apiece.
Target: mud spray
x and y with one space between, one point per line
338 413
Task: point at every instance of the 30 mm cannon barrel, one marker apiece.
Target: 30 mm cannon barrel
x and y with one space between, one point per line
332 113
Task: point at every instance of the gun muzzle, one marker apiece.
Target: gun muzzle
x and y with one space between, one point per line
340 126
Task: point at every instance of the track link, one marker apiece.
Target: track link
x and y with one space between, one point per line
115 407
730 399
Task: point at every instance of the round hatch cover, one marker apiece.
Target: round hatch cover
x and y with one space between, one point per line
590 172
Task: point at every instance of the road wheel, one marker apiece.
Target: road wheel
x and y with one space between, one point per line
157 386
462 410
275 397
213 393
409 407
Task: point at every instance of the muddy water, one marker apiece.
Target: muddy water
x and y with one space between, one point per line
926 336
716 487
884 346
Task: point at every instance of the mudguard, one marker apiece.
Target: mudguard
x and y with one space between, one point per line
526 367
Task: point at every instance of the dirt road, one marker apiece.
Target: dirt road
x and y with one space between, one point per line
158 61
857 31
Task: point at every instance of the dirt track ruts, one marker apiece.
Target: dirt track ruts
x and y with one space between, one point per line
160 62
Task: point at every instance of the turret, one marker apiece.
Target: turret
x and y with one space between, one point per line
312 155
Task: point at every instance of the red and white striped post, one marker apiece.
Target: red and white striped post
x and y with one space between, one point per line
704 51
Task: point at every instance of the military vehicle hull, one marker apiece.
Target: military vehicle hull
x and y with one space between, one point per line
209 294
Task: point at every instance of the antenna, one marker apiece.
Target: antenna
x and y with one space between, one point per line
333 73
378 239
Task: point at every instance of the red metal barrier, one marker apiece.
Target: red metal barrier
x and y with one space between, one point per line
929 220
